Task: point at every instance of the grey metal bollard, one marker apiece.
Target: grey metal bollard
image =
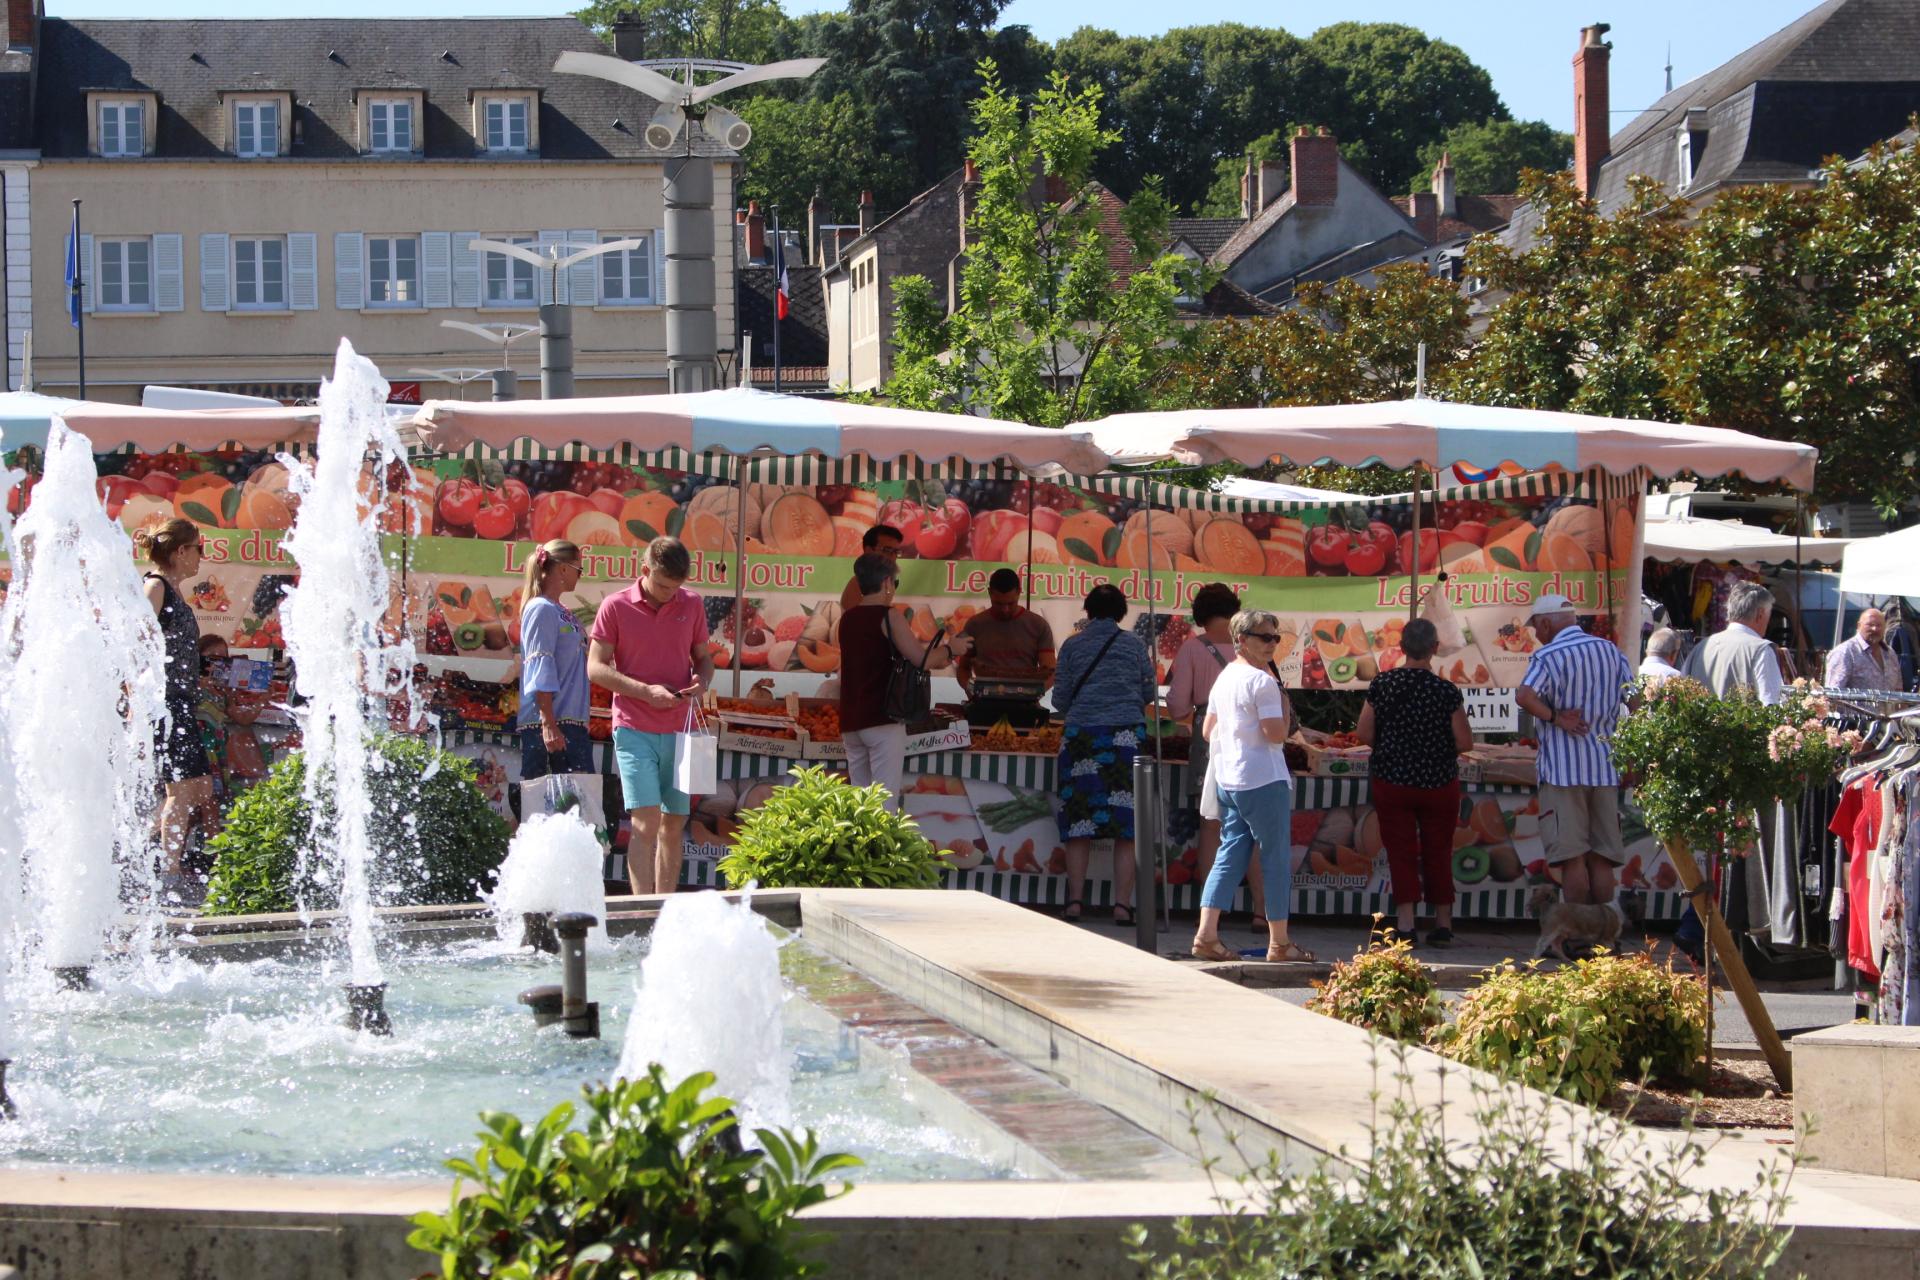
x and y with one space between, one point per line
581 1016
1146 851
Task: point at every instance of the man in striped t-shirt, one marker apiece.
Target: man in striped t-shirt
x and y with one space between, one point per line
1576 687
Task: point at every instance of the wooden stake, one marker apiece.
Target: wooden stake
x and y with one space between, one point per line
1734 967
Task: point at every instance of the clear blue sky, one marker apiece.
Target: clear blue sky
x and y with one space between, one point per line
1527 46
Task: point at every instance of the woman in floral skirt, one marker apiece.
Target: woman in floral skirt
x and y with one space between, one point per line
1101 686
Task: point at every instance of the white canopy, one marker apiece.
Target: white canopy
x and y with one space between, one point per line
1885 566
1276 491
1689 541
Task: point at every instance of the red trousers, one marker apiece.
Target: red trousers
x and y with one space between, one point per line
1417 825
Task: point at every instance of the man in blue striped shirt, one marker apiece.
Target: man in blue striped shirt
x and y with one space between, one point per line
1576 687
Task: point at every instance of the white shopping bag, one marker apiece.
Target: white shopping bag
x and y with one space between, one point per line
696 755
581 793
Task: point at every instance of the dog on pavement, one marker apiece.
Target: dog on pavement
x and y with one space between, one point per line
1586 925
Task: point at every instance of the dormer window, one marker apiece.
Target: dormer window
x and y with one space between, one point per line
389 125
505 123
256 129
122 128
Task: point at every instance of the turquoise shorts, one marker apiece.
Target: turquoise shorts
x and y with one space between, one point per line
646 771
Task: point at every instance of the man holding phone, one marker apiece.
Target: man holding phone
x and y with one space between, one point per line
649 648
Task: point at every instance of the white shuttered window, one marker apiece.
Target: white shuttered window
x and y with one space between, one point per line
260 274
393 271
123 275
123 129
390 125
626 275
256 129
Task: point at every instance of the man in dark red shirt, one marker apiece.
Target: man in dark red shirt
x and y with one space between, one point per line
649 647
1010 641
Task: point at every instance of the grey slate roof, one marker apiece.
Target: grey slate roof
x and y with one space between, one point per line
803 335
1205 235
189 63
1839 78
16 69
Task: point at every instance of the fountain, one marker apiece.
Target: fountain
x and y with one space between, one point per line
552 867
333 621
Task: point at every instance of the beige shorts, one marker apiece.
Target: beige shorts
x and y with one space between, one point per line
1584 820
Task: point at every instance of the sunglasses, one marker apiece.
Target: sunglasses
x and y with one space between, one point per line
1265 636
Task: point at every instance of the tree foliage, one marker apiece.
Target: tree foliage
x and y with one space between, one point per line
1488 157
1057 319
733 30
807 145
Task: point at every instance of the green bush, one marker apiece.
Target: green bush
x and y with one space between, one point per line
821 833
650 1188
1573 1031
435 837
1383 989
1527 1196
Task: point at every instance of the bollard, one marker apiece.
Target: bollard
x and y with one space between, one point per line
581 1016
367 1008
1146 851
536 932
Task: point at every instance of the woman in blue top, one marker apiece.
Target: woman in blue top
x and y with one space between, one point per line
555 702
1102 684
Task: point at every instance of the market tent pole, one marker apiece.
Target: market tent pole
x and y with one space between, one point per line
740 480
1146 836
1029 540
1419 482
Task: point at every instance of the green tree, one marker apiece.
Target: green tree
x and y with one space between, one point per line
732 30
1057 321
1488 157
805 145
1398 89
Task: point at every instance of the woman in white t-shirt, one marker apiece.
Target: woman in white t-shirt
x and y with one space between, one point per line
1246 727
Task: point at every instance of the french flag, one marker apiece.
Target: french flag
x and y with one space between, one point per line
780 296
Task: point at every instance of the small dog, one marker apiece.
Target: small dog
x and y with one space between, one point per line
1585 924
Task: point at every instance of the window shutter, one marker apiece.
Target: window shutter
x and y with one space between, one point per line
543 282
349 270
436 269
657 284
169 270
466 271
582 277
303 271
214 292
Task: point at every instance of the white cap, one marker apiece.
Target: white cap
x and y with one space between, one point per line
1550 603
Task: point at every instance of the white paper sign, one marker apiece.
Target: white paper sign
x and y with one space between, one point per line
1492 710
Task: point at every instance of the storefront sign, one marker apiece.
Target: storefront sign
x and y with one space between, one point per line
1492 710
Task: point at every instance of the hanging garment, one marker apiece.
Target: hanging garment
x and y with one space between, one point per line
1857 822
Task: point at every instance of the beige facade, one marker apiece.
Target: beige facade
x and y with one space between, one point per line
211 236
856 331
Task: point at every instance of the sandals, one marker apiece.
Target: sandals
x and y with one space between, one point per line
1117 919
1292 953
1071 912
1214 951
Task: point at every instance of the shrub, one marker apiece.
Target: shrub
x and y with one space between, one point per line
1383 989
819 832
650 1187
1572 1031
435 837
1528 1196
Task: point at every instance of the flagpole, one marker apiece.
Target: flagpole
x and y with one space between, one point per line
79 314
779 284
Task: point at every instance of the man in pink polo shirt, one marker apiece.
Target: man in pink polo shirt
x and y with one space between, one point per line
649 647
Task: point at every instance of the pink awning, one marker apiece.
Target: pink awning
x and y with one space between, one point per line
1441 433
741 421
115 426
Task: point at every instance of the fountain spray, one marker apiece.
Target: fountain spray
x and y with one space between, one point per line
85 686
345 666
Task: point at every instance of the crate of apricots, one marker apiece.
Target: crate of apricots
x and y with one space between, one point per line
761 724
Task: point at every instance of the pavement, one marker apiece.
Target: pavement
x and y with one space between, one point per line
1795 1006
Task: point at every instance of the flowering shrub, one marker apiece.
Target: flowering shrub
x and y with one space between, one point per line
1383 989
1704 766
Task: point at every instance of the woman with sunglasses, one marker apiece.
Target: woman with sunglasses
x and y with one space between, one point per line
1246 729
173 548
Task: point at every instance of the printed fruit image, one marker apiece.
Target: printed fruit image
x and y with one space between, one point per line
1471 864
797 525
456 503
642 518
819 656
593 528
1342 670
1171 533
725 501
705 531
848 532
265 500
1584 525
1351 862
1032 547
551 513
1229 546
1336 638
1313 670
495 520
1504 862
823 625
1561 552
1327 550
1322 865
207 499
1429 552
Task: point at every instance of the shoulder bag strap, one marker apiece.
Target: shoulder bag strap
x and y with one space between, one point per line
886 633
1216 655
1081 683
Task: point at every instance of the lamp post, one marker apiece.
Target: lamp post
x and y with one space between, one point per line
502 336
459 377
556 318
692 343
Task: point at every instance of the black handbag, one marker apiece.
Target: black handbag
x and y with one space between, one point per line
909 697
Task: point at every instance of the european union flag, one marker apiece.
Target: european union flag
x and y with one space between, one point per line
73 271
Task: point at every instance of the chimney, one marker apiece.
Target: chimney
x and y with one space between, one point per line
1249 189
1316 168
756 233
866 212
1591 136
629 37
969 199
1272 182
23 17
816 219
1443 186
1424 207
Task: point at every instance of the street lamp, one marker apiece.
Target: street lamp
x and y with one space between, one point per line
556 321
503 336
692 345
459 377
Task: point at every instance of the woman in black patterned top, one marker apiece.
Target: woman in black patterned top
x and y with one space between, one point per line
1417 725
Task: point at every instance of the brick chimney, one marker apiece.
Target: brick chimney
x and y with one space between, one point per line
1591 135
1270 182
756 233
969 200
1424 208
1443 186
1249 189
1316 168
866 212
817 218
629 37
22 18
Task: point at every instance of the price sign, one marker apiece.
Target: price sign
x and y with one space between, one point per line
1492 710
